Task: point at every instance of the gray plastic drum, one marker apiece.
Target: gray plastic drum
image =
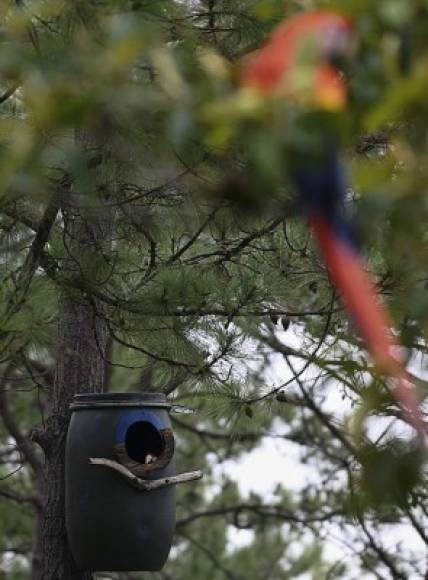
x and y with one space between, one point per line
111 526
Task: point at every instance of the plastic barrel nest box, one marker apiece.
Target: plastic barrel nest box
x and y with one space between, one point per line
120 476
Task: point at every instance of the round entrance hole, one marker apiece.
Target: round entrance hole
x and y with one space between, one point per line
143 439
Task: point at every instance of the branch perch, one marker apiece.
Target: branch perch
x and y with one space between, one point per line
146 484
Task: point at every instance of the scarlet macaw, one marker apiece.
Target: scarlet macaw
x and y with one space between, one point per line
298 64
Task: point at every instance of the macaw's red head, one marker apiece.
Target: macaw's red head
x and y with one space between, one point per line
300 59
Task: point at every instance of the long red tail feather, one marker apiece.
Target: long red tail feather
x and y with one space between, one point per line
369 314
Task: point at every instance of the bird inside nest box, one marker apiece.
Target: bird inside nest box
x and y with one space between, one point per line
120 471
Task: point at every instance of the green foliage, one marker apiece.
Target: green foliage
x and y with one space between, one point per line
389 474
128 115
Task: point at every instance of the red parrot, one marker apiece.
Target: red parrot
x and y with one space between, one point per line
298 60
298 63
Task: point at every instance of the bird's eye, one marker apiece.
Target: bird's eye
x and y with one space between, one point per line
335 44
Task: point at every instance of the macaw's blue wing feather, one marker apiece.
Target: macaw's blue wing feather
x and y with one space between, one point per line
322 192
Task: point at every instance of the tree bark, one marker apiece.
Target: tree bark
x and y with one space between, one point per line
80 368
36 559
82 344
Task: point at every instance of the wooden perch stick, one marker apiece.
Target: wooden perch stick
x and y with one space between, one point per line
146 484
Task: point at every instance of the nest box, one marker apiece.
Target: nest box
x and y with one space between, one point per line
120 477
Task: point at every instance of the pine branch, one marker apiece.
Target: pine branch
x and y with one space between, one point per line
262 511
33 258
212 557
195 236
20 498
12 427
8 93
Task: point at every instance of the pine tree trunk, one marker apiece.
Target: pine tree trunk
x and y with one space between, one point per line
36 560
80 366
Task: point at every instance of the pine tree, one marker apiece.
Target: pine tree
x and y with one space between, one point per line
137 253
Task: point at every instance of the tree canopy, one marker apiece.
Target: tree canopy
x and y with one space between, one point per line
150 240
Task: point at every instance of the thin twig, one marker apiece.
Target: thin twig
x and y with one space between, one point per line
8 93
146 484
